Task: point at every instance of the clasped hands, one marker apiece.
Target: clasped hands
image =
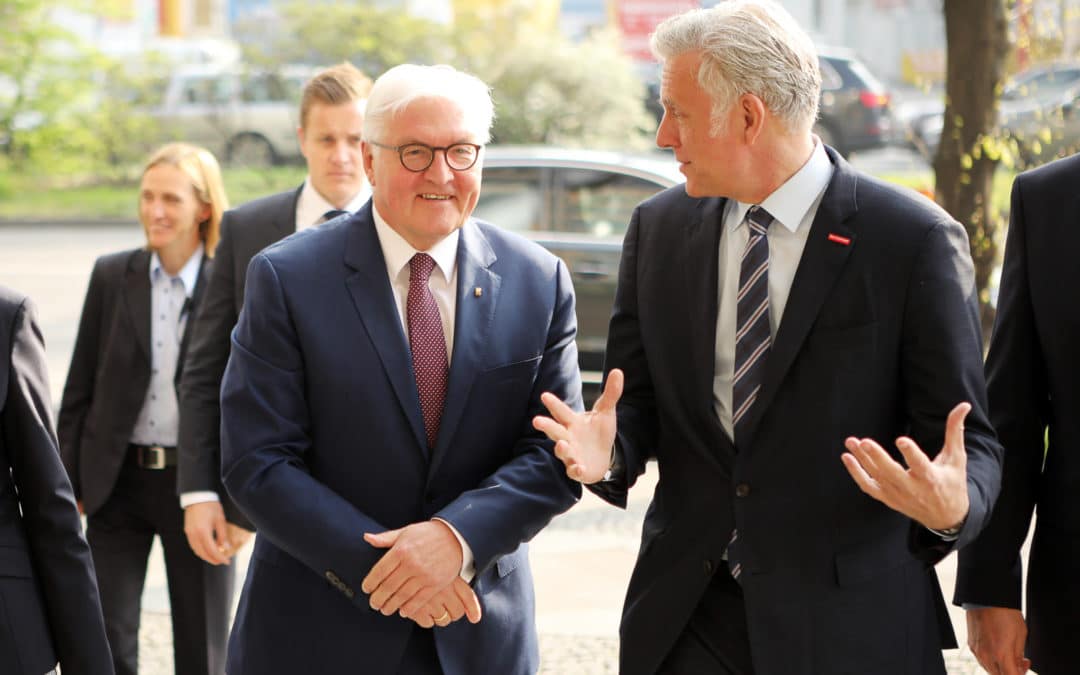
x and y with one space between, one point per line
931 492
419 576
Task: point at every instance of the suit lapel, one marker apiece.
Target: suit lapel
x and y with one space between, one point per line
701 267
196 298
285 220
137 298
475 315
820 265
372 295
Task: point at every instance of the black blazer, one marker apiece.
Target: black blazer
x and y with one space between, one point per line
110 372
48 592
245 231
1033 378
880 337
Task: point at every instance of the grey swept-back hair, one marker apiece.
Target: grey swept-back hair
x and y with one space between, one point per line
748 47
395 89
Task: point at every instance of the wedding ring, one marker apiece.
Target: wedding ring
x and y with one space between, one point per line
444 617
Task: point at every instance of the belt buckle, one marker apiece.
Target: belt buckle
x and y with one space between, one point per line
153 457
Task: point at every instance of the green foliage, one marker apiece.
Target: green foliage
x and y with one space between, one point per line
43 196
546 90
64 107
549 91
371 37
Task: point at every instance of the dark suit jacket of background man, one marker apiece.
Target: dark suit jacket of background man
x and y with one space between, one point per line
245 231
110 372
1033 378
880 337
51 610
323 440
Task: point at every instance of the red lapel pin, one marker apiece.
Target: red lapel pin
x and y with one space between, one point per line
837 239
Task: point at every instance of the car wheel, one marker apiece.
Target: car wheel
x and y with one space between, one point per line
250 150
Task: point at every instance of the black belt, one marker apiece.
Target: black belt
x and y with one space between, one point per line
153 456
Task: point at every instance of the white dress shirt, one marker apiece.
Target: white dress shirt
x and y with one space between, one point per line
158 420
443 286
311 205
794 205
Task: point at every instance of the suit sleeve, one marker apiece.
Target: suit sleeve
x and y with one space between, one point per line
514 503
200 404
990 570
59 550
942 366
636 410
79 389
265 441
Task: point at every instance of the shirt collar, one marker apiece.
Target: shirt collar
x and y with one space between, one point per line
189 273
789 203
312 205
399 252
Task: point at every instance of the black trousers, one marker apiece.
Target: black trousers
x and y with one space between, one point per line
715 640
144 504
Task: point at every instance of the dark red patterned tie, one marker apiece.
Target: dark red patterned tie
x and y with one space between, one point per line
427 343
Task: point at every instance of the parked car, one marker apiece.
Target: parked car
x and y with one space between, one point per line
1039 109
855 111
246 117
855 108
577 204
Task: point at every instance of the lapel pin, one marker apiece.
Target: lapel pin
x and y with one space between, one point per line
837 239
477 292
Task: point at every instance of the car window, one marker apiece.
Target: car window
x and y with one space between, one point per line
1041 84
869 82
597 203
207 91
830 79
262 88
513 198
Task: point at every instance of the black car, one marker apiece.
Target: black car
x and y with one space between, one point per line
577 204
855 109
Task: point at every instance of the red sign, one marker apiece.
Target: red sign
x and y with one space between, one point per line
637 19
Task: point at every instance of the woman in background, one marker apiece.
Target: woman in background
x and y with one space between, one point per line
118 416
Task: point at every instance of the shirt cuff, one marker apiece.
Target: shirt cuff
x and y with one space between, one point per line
468 567
190 498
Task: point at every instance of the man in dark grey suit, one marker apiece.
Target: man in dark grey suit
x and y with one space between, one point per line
52 612
828 309
331 119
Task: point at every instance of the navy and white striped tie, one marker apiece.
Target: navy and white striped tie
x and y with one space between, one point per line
752 335
752 339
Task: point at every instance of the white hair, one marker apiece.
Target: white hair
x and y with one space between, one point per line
395 89
748 47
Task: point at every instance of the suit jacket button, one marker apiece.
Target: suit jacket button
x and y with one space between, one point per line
742 490
707 566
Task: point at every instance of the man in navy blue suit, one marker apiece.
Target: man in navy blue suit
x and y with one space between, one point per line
376 412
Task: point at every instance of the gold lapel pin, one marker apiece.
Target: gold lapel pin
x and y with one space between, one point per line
477 292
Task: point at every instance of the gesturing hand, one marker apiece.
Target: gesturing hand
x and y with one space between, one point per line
424 558
583 440
932 492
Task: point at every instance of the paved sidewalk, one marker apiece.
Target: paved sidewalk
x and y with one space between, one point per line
582 564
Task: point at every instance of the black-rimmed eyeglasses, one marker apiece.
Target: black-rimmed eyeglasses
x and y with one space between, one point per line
418 157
